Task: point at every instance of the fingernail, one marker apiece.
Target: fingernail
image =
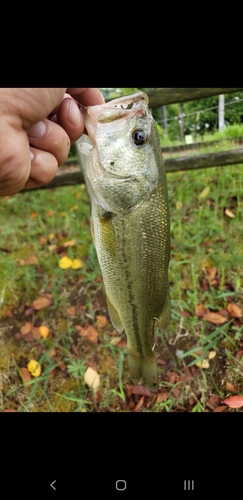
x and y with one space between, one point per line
74 114
37 130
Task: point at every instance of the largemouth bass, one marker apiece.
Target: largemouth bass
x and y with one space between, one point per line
126 180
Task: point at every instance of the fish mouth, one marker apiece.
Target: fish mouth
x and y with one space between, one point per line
122 107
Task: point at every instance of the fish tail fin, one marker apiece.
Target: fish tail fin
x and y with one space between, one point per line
144 370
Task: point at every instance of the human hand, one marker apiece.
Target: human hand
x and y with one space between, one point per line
37 127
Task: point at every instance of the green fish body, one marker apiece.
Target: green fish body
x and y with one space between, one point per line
126 181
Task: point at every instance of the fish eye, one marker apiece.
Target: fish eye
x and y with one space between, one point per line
139 137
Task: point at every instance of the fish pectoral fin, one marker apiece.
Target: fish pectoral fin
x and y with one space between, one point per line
144 370
164 318
115 318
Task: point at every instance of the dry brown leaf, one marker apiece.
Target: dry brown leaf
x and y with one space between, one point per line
200 310
213 402
26 328
25 375
43 240
74 349
40 303
142 391
234 310
234 401
35 332
229 213
214 318
101 321
50 213
32 260
71 311
140 404
162 397
211 273
91 333
220 409
176 392
239 354
230 387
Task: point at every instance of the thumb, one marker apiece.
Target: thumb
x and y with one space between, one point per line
15 159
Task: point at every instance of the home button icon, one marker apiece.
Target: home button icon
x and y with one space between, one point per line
121 485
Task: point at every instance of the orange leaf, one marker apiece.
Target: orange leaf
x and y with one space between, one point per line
162 397
26 328
40 303
230 387
50 213
214 318
101 321
211 273
34 215
200 310
91 333
234 310
44 331
42 240
71 311
32 259
234 401
25 375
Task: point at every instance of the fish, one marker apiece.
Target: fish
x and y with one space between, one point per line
130 224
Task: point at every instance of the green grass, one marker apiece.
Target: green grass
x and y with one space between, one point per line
202 236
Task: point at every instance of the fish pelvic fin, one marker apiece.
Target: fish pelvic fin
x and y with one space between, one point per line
144 370
115 318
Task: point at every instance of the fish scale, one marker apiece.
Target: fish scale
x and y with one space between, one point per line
130 226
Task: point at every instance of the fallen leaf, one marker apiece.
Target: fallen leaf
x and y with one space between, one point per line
25 374
26 328
176 392
50 213
41 303
91 333
34 368
74 349
239 354
71 310
234 401
234 310
101 321
29 311
184 314
92 378
32 259
140 404
203 364
142 391
162 397
35 332
65 262
51 236
52 353
200 310
29 337
220 409
43 240
229 213
204 193
213 402
78 195
214 318
211 273
70 243
44 331
230 387
77 264
75 207
115 340
211 354
34 215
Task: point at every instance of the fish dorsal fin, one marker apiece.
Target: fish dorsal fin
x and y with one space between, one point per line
115 318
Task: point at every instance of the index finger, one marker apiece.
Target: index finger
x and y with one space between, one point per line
86 96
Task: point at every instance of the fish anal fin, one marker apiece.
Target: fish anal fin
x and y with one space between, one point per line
115 318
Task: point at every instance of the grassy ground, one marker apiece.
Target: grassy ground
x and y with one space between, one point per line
206 276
